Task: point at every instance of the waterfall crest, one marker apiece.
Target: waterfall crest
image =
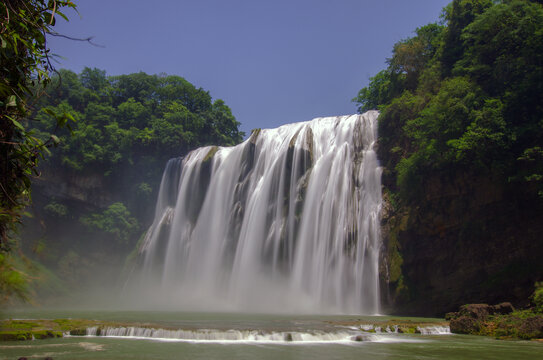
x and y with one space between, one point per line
287 221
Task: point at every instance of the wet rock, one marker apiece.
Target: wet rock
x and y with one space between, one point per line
359 338
78 332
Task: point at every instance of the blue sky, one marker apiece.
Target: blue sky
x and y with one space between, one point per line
272 62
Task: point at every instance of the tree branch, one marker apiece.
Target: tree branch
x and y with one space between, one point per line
89 39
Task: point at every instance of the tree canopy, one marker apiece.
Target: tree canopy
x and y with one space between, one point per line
128 120
465 93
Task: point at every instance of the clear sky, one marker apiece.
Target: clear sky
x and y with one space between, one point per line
273 62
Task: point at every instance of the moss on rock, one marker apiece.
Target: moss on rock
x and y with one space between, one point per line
499 321
212 151
15 335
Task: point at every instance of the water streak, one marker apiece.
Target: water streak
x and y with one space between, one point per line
287 221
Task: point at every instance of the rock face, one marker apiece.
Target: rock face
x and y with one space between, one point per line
467 239
89 189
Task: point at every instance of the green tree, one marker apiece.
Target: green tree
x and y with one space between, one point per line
412 55
24 71
116 221
25 68
379 91
466 93
411 60
93 79
458 15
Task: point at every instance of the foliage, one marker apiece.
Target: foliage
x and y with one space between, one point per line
412 55
124 120
378 92
458 15
466 94
115 220
56 209
24 68
537 297
13 283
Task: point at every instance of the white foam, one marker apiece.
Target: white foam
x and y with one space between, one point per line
434 330
248 336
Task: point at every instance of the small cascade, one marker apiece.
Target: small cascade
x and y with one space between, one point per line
345 336
435 330
211 335
287 221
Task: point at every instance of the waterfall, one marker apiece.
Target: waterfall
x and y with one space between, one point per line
287 221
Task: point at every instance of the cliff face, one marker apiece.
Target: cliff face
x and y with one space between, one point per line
466 239
89 190
63 234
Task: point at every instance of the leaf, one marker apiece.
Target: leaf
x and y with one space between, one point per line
49 112
63 16
55 139
69 116
18 124
12 101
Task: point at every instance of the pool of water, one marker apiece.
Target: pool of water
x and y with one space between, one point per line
324 346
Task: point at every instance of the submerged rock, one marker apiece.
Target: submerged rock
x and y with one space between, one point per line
359 338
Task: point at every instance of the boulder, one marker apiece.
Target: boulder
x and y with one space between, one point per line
464 325
503 308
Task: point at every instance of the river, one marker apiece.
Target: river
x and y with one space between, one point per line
246 336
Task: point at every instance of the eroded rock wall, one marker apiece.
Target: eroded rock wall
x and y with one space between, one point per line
466 239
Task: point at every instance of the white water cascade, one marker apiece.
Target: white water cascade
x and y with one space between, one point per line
287 221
